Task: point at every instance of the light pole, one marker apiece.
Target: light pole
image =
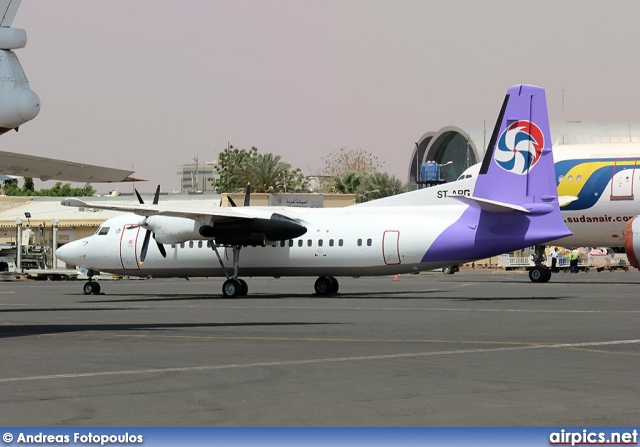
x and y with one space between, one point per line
449 163
54 242
196 182
19 245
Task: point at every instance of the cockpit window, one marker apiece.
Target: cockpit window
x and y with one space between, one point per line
102 231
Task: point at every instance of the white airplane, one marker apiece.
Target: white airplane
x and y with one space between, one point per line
19 104
352 241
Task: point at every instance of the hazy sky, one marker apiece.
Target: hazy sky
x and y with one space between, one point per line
153 83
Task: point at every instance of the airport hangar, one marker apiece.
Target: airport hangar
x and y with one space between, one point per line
455 149
451 147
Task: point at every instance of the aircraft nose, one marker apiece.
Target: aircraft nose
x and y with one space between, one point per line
73 252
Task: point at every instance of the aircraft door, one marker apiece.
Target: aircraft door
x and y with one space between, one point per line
622 182
128 244
391 247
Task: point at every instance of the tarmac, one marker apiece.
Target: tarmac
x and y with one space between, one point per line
478 348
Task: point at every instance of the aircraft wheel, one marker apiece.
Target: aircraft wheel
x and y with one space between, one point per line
231 288
547 274
447 270
323 286
335 286
244 288
87 289
537 274
91 288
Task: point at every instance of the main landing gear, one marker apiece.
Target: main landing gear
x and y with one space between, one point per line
539 273
326 285
91 287
233 286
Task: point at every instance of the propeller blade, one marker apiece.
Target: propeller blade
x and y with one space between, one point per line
231 201
147 236
247 195
157 195
139 198
145 246
163 252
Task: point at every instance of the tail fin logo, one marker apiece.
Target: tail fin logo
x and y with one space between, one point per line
519 147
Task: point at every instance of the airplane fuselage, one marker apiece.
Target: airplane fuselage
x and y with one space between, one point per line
353 241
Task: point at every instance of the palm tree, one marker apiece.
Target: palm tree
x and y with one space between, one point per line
347 183
266 172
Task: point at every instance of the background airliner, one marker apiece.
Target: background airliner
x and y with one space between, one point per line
19 104
513 204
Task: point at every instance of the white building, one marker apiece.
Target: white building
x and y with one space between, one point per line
195 177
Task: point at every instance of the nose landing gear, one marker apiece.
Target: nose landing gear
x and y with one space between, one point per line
91 287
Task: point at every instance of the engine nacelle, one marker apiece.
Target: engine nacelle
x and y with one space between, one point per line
254 231
632 241
12 38
18 103
173 230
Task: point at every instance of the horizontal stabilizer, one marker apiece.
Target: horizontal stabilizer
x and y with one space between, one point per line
491 206
566 200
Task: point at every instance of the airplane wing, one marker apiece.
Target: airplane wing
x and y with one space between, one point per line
23 165
215 214
8 10
232 226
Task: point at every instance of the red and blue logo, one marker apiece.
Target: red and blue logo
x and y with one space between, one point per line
519 147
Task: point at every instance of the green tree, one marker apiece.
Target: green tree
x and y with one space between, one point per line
28 185
347 183
296 181
11 188
265 172
230 169
268 173
378 185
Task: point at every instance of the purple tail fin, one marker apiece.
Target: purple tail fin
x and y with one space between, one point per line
514 203
518 164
